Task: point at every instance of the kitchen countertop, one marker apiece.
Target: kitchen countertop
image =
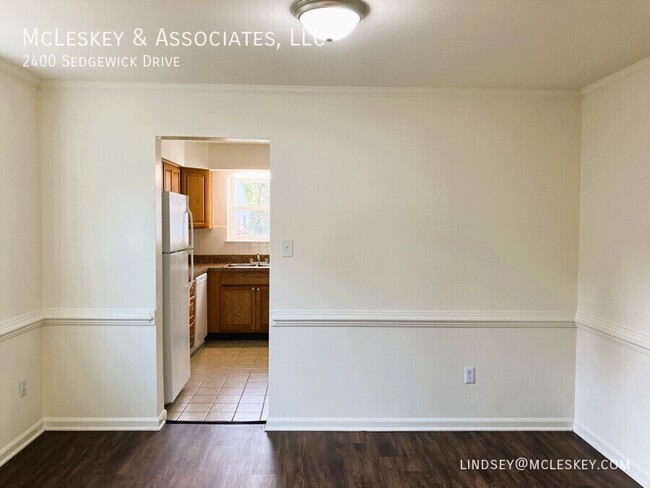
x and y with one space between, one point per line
203 268
200 269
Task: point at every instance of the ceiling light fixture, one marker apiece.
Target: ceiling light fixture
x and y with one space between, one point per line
330 20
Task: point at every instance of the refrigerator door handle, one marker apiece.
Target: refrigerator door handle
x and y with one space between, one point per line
191 247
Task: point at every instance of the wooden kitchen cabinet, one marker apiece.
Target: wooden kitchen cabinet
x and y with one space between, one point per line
197 185
262 309
171 177
238 304
238 301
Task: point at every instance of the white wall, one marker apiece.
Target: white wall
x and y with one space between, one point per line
100 279
404 200
20 261
401 378
613 363
100 377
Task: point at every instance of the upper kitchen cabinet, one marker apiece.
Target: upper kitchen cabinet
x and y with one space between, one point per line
197 185
171 177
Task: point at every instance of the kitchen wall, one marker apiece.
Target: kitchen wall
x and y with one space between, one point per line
173 150
421 219
213 241
613 352
197 154
219 156
20 261
239 156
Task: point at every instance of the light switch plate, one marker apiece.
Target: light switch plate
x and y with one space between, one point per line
287 248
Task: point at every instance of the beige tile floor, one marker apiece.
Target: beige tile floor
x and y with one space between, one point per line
229 383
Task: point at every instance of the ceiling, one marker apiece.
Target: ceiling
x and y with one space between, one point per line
532 44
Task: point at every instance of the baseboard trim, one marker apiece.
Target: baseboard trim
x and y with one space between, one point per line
275 424
162 419
20 324
21 442
106 423
614 332
636 472
422 318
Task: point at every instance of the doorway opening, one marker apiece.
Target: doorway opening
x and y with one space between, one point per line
213 277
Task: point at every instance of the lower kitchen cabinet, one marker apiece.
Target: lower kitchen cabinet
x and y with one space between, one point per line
262 309
237 308
238 301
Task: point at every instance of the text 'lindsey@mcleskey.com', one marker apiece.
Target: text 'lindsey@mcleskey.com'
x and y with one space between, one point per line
527 464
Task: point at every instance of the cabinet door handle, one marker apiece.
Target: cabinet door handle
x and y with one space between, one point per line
252 289
258 289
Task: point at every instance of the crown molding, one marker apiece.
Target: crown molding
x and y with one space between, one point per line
619 75
313 90
415 318
614 332
18 72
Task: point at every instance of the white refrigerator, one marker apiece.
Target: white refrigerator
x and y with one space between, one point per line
178 272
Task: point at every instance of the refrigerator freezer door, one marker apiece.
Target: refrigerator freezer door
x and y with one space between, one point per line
176 222
176 335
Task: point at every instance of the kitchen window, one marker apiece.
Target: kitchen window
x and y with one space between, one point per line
249 206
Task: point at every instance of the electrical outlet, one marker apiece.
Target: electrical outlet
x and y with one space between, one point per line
470 375
22 387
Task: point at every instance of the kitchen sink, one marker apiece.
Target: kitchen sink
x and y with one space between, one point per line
248 265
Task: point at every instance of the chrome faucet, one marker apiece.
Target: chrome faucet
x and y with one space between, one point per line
259 260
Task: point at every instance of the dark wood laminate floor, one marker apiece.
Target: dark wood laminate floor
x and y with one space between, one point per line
246 456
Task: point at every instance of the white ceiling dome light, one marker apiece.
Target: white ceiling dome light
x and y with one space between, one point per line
330 20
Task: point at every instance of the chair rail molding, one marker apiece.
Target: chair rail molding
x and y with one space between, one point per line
422 318
20 324
99 316
614 332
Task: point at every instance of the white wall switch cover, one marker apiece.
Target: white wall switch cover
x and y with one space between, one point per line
287 248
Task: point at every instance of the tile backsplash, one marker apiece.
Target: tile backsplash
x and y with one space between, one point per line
213 241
